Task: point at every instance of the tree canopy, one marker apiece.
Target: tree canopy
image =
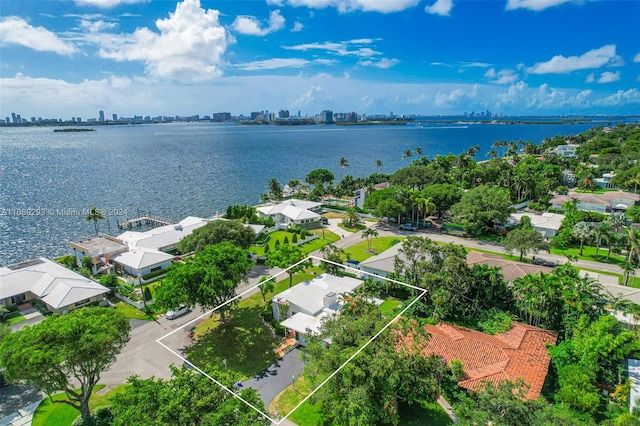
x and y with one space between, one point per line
217 232
65 351
482 207
209 278
285 256
524 240
186 399
319 177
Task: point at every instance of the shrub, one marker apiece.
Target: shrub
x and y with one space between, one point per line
495 321
86 262
110 281
69 261
4 314
294 239
40 306
126 289
147 293
101 416
266 248
276 245
285 241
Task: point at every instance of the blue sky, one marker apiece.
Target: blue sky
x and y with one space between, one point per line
137 57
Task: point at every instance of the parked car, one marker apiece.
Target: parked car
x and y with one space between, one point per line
177 312
408 226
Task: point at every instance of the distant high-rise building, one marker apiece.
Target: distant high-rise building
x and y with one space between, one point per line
13 118
101 116
7 120
115 117
326 116
18 119
283 113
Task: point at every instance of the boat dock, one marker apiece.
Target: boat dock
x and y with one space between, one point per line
144 218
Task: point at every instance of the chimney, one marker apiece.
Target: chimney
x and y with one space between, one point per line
331 300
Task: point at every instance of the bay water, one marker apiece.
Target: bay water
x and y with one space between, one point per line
49 180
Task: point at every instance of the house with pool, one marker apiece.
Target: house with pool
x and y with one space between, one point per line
303 308
291 212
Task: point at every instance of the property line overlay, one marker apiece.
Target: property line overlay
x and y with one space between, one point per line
272 278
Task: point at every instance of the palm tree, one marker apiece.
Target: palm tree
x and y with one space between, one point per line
378 164
582 231
275 189
95 215
418 151
425 205
407 154
342 162
627 269
351 219
602 232
369 234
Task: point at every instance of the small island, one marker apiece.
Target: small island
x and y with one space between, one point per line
74 129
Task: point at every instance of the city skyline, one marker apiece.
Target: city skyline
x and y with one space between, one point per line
413 57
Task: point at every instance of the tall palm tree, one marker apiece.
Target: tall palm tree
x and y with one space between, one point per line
275 189
407 154
342 162
378 164
95 215
627 269
600 233
369 234
351 218
418 151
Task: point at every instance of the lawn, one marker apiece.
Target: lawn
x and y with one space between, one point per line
589 253
359 251
329 237
349 229
50 413
131 312
243 340
15 318
307 414
424 413
388 306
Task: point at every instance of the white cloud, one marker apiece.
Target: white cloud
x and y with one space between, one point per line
278 3
536 5
297 27
382 63
504 76
621 97
344 6
275 63
343 48
189 46
106 4
609 77
15 30
97 26
440 7
637 57
249 25
590 78
596 58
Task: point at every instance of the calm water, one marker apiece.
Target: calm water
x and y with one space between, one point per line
47 179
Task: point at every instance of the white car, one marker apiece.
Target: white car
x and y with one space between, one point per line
177 312
408 226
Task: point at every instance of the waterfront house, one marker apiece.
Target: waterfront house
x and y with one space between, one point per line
99 249
302 308
605 182
59 288
292 212
519 353
608 202
164 238
566 151
139 262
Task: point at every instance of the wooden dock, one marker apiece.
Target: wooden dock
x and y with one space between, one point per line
144 218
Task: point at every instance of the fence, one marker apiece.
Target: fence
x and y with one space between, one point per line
139 305
306 240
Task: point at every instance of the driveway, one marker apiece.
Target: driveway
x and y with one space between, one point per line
275 378
17 404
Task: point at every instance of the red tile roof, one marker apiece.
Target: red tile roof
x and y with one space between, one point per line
519 353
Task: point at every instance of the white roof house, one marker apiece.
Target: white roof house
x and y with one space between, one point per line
547 223
290 212
303 306
61 289
164 238
611 284
139 262
381 264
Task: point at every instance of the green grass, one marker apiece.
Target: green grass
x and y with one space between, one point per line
358 251
131 312
15 318
424 413
589 253
243 340
349 229
388 306
59 414
329 237
307 414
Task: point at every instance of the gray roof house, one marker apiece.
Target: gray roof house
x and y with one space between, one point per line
61 289
139 262
164 238
100 249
